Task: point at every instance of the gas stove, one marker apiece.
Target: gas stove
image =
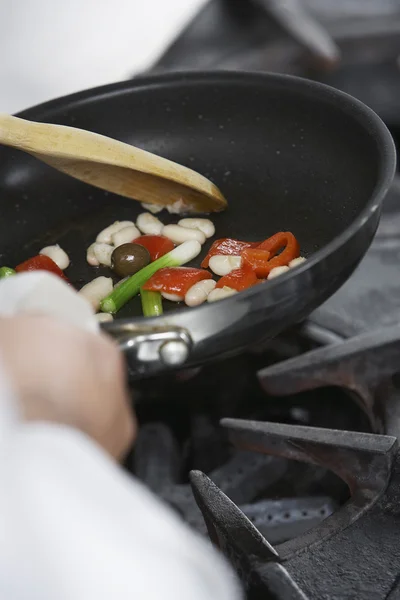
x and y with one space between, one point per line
287 457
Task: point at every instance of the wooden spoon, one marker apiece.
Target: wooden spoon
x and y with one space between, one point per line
112 165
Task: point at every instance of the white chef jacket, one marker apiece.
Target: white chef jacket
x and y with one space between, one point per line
74 526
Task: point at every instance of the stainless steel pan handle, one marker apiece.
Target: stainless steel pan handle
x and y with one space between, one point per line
150 349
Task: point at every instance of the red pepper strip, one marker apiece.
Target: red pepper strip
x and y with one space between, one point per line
239 279
257 260
283 239
227 247
157 245
175 280
41 263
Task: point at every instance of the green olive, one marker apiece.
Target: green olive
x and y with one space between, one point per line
128 259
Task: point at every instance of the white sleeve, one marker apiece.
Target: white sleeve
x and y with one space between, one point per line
73 526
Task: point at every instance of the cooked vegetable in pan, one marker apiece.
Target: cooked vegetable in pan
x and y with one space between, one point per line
148 257
128 259
6 272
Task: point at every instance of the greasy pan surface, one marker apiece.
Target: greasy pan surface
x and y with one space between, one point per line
288 154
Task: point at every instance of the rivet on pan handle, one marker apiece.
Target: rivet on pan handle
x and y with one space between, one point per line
150 349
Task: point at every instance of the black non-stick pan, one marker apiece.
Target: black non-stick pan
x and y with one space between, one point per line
287 153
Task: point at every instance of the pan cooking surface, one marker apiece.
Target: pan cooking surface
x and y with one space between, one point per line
284 158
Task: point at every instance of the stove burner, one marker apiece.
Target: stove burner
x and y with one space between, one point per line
189 437
242 478
353 552
281 520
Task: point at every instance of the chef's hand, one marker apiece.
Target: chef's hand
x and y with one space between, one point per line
65 375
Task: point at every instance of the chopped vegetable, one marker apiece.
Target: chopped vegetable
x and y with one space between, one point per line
239 279
57 254
153 208
264 258
96 290
221 264
175 280
296 262
128 259
149 224
204 225
105 236
152 265
276 271
104 317
172 297
199 292
257 260
178 207
125 235
220 294
157 245
179 234
91 256
123 293
151 303
227 246
103 253
285 240
6 272
41 263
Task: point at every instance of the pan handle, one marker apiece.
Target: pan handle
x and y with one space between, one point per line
150 349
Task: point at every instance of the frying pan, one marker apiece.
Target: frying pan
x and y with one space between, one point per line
289 154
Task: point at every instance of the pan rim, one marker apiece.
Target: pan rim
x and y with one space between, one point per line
366 116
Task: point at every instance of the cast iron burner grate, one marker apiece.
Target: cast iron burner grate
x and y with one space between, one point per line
275 484
367 365
354 553
178 436
242 478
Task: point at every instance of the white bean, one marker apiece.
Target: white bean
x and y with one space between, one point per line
125 235
106 234
177 207
296 261
222 265
204 225
91 257
199 292
277 271
185 252
95 291
172 297
149 224
104 317
153 208
103 253
57 254
220 294
179 234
